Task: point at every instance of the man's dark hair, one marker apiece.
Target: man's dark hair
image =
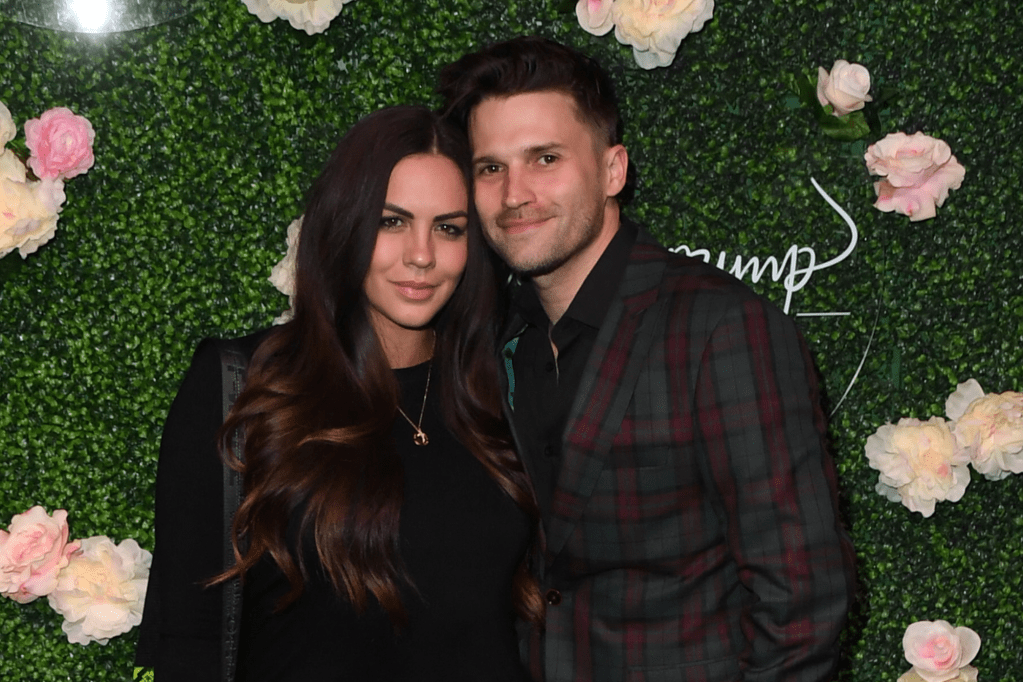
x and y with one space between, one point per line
531 64
534 64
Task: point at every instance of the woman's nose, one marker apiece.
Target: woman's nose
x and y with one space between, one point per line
419 249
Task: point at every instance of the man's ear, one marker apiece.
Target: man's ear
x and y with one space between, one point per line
616 166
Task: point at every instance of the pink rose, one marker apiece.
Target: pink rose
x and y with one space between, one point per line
845 88
595 16
919 171
61 144
937 651
32 552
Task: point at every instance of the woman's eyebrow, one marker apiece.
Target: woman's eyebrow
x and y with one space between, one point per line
449 216
408 214
399 210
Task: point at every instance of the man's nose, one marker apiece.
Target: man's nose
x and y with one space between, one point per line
517 188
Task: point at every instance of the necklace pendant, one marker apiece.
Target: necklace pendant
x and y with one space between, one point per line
420 438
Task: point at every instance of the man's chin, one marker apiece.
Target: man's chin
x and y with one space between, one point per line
536 267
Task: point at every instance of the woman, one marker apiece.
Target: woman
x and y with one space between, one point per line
385 516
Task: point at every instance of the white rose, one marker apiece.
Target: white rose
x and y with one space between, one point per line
282 276
11 167
311 16
845 88
7 128
989 427
965 674
920 463
655 28
28 210
102 590
595 16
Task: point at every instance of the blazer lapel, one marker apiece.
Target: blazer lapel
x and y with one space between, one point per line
605 390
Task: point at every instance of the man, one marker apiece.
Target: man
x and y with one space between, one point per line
667 415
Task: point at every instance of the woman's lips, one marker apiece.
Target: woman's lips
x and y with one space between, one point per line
416 291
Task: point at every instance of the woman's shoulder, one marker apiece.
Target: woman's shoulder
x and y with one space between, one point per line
211 347
201 384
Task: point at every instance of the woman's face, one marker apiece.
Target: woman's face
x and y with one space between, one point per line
421 246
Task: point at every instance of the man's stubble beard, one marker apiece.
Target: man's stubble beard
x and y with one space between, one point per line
545 264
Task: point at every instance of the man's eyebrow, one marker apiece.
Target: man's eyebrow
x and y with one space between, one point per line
484 160
532 150
540 149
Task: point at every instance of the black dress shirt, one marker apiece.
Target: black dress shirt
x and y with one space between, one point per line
545 385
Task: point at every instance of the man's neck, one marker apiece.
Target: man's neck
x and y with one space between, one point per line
557 289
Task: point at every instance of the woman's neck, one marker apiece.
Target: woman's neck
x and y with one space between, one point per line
408 348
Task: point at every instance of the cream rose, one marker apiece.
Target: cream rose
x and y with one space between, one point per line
965 674
845 88
311 16
33 550
7 128
655 28
989 427
919 171
282 276
595 16
920 463
937 651
28 210
102 590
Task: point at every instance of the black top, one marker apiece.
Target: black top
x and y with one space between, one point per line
545 386
461 541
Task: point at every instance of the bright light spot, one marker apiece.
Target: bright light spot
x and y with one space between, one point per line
92 14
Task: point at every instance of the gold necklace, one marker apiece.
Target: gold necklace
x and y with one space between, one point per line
420 437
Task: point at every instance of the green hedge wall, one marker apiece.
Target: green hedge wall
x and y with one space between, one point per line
210 127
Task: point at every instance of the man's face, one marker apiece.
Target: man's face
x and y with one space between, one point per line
542 181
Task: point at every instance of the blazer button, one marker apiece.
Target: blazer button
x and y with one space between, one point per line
553 597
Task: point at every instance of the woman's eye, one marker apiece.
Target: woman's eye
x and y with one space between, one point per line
451 230
389 222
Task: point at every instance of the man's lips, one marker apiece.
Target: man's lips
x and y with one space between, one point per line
417 291
523 224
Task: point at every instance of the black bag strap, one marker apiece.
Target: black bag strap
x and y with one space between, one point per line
233 364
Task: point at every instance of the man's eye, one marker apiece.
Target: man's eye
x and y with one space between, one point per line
488 169
548 159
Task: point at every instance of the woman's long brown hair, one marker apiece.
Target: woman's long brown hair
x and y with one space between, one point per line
320 398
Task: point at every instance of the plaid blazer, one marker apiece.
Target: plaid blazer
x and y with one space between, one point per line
693 533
